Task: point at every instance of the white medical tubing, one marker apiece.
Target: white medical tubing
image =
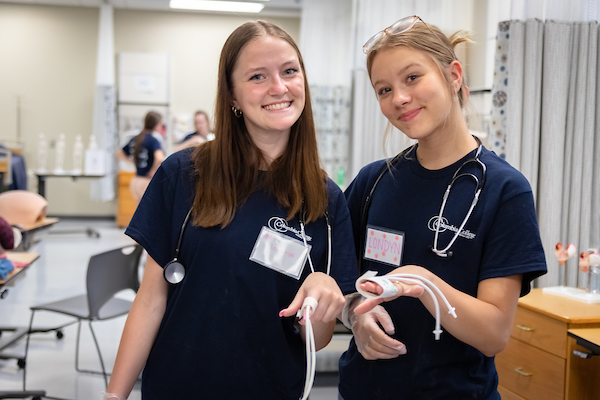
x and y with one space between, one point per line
385 281
308 307
328 248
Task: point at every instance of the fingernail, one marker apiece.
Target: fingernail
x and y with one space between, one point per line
281 312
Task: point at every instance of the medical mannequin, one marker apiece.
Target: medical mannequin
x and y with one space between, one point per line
227 330
21 207
481 269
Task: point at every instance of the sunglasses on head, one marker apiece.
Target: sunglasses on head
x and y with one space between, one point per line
402 25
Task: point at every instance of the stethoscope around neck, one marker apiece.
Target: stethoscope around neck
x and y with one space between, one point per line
174 271
479 182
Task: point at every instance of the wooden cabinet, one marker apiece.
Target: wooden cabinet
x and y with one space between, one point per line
538 362
126 203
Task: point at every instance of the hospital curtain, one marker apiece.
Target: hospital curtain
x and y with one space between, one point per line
368 17
545 101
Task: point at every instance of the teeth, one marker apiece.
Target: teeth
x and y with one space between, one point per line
277 106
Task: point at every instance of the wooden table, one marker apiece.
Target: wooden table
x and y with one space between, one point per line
17 332
539 362
19 257
31 231
588 338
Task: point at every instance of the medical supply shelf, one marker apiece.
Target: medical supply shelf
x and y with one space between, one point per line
538 362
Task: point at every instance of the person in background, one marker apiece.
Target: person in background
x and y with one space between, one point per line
201 135
227 330
10 238
481 255
146 152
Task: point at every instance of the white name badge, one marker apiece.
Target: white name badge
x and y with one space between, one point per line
384 246
280 253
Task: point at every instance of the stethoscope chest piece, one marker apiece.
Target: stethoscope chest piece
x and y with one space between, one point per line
174 272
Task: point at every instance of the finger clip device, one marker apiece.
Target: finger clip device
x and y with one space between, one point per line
389 290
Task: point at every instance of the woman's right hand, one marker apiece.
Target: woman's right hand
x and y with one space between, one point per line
372 342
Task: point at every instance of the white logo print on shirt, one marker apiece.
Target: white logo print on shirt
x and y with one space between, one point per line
280 225
443 225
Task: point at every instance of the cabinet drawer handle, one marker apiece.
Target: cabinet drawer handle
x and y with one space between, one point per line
525 328
518 370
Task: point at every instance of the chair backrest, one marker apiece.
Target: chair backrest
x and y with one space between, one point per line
110 272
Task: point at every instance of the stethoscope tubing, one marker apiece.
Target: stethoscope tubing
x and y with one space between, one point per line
174 271
480 183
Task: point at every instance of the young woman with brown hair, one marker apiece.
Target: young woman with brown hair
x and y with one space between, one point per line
256 244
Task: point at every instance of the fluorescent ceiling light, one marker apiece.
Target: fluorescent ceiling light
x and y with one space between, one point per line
208 5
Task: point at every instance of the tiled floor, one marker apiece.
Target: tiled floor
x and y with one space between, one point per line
59 273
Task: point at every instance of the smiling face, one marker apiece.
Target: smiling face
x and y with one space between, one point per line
412 92
268 87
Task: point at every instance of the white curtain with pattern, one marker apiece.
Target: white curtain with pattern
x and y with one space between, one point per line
545 101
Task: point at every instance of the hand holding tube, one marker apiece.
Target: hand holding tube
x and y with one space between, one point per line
327 293
404 288
385 288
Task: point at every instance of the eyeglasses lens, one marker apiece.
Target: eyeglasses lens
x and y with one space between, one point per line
403 25
397 27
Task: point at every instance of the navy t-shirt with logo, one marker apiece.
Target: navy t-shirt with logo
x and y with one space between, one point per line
146 156
221 336
500 239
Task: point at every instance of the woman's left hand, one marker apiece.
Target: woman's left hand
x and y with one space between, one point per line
325 290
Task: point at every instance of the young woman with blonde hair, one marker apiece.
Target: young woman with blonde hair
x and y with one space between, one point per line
480 245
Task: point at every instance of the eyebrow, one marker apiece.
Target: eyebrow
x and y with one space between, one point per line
262 68
403 70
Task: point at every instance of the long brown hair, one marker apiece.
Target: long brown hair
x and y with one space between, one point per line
151 121
227 168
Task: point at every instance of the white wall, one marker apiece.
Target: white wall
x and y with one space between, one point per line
48 61
48 58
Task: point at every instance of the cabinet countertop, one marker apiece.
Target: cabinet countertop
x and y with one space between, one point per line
561 308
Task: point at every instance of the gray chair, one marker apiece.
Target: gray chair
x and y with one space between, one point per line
107 274
34 394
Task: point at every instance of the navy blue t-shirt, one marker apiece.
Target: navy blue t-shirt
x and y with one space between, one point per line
146 156
221 336
188 137
500 239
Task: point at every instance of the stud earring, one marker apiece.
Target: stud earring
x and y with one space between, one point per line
236 112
